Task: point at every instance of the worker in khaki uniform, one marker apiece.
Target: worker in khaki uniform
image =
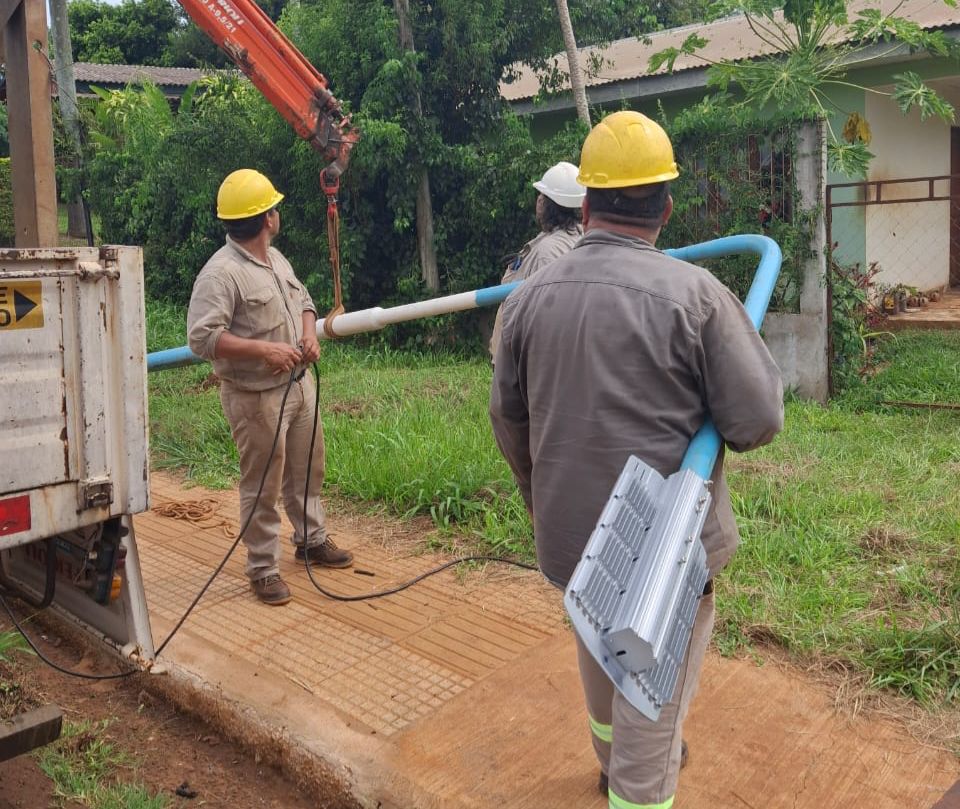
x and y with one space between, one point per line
617 349
253 319
559 200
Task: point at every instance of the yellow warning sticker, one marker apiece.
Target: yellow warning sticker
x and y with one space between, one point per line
21 304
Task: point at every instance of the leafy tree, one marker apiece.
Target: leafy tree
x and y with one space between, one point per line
573 62
815 44
136 32
159 191
153 172
145 32
8 232
188 46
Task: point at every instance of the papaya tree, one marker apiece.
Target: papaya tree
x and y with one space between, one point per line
814 44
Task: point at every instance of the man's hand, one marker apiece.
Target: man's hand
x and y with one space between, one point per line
311 348
281 357
309 342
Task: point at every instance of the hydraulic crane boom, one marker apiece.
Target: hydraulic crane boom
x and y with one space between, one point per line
297 90
289 82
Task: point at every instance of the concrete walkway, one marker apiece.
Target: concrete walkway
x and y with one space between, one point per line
463 691
944 315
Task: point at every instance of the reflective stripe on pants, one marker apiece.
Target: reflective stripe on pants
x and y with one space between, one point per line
603 732
617 802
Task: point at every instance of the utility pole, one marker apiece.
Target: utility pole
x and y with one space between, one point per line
77 219
573 62
24 28
428 255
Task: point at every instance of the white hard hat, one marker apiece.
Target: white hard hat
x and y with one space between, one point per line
559 183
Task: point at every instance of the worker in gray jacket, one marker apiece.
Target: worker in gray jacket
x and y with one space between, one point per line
617 349
559 200
255 321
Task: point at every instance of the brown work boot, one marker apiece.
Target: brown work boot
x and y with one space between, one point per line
272 590
327 554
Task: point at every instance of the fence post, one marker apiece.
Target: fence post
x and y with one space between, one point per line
799 341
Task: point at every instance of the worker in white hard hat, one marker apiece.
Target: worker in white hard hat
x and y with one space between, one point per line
255 321
559 202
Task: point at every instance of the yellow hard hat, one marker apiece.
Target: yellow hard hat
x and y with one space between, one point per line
245 193
626 148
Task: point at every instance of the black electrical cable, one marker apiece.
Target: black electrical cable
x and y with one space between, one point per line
399 587
49 662
246 524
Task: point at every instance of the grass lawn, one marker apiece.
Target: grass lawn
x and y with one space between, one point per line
850 520
88 769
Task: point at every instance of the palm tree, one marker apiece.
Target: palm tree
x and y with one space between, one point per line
573 60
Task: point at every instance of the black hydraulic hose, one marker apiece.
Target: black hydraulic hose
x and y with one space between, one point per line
49 586
56 666
246 524
391 590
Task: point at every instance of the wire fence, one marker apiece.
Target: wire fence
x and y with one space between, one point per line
743 181
908 228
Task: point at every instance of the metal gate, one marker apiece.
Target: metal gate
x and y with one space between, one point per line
910 227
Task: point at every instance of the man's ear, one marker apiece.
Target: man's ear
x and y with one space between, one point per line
667 211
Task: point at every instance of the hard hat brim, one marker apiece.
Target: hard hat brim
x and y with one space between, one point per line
629 181
563 200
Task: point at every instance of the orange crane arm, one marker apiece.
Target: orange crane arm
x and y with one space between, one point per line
297 90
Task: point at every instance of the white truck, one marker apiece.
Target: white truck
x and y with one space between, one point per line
74 464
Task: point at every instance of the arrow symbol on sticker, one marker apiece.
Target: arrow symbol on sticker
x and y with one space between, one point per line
22 305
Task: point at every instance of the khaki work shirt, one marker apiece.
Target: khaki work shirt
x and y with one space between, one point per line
617 349
536 254
237 292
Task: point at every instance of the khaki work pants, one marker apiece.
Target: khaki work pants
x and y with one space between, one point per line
641 757
253 416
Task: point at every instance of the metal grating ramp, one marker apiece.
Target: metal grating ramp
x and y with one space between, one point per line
633 598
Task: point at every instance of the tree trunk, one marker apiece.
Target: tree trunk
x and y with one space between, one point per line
573 60
77 220
425 248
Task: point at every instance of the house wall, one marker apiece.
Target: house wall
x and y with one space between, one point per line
848 224
910 241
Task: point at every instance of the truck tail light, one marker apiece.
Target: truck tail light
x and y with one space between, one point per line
15 515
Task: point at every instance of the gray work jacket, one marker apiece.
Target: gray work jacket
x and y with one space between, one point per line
237 292
617 349
536 254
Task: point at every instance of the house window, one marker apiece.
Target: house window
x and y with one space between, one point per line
733 177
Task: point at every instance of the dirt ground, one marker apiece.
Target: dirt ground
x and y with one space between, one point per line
170 748
173 748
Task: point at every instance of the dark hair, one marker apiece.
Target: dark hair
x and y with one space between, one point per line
556 216
617 205
247 228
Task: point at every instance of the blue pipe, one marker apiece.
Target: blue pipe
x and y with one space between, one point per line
171 358
702 453
704 447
